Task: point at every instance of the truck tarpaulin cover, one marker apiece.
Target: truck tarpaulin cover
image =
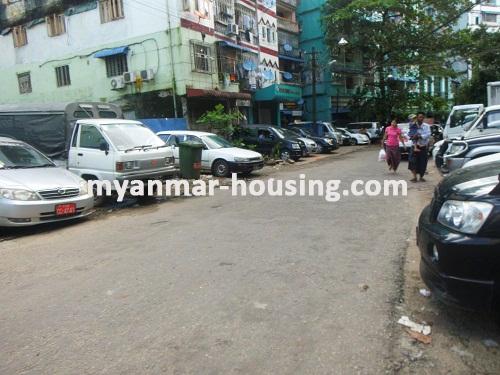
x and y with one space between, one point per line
46 132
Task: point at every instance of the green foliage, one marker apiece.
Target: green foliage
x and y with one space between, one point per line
224 122
401 34
482 50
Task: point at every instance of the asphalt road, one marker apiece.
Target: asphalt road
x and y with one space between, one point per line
217 285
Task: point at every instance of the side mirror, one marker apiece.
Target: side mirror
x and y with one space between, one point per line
104 146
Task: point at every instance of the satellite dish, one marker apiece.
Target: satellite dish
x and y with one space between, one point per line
268 74
460 67
287 47
249 65
287 76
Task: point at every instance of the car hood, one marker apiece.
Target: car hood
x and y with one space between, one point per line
239 152
38 178
478 181
307 141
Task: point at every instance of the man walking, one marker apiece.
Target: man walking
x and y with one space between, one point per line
419 155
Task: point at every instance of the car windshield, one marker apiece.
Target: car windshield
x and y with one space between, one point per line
129 136
280 133
216 142
463 117
18 155
290 133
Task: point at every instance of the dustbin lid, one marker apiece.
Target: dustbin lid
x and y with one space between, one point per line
191 144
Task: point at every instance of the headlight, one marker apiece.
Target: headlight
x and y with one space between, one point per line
465 217
240 160
457 148
295 146
329 141
84 187
19 195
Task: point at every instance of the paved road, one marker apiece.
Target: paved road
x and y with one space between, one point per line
216 285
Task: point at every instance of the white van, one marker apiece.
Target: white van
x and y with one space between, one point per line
460 119
115 149
487 123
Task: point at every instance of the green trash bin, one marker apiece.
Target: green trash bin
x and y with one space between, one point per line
190 159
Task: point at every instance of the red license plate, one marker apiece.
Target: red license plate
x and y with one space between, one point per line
66 209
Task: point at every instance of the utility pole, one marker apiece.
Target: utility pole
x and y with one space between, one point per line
172 65
314 79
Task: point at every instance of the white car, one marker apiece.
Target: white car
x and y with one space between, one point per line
483 160
219 156
360 139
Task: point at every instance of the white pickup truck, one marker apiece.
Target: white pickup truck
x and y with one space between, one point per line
116 149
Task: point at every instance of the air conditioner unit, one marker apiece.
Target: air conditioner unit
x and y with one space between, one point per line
147 75
129 77
232 29
117 83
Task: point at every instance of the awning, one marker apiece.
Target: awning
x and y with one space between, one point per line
208 94
291 58
236 46
111 52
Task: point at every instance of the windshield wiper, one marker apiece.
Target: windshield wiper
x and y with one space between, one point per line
30 166
156 147
136 148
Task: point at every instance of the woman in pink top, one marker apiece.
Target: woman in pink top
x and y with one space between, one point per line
391 139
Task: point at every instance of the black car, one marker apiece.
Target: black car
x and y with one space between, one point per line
267 139
325 145
459 239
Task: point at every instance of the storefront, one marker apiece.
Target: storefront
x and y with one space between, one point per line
277 104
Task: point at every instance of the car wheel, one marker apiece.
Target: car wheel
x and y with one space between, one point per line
353 142
285 154
320 149
220 168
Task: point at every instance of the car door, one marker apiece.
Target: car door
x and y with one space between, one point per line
267 140
90 158
172 140
491 123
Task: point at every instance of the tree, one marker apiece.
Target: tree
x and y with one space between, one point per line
224 122
400 36
482 52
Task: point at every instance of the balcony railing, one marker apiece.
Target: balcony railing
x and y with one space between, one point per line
288 25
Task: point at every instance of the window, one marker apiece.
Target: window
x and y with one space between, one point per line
116 65
108 114
24 80
91 137
55 24
489 17
202 59
110 10
62 76
19 36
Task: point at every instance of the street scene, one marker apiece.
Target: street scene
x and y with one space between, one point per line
250 187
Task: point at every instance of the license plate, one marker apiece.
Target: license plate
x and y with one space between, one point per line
66 209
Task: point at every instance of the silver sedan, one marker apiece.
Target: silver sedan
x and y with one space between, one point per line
33 190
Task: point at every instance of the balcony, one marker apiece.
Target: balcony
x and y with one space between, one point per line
290 78
288 25
289 3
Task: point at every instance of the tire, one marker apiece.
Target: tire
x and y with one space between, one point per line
220 168
98 201
353 142
285 154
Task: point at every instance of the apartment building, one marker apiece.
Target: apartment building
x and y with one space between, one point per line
175 58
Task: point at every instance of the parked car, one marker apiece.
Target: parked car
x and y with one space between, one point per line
219 156
359 139
311 146
319 129
373 130
111 149
483 160
324 144
459 239
267 138
460 119
460 152
33 190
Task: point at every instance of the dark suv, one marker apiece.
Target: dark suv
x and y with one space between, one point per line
459 238
267 138
325 144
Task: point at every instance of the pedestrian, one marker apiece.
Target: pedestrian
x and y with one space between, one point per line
417 160
390 141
